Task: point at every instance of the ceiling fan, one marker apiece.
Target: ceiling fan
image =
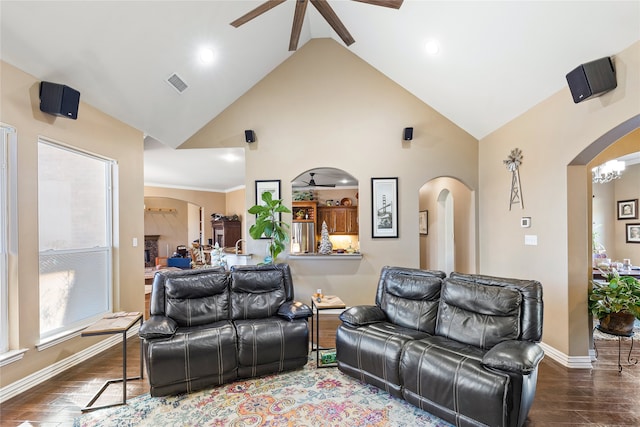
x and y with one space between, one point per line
325 10
312 182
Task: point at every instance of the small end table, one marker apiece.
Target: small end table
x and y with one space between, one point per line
116 323
327 302
630 360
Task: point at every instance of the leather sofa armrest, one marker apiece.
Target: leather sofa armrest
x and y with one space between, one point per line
514 356
292 310
158 327
361 315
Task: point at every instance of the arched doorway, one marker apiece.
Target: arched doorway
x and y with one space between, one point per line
450 243
625 137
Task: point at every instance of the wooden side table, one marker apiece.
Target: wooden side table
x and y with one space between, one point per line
326 303
117 323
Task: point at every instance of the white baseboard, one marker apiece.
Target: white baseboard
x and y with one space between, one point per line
574 362
24 384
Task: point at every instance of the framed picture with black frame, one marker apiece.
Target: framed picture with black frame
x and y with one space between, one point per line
384 207
263 186
633 233
628 209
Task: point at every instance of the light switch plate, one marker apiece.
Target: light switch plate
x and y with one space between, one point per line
135 242
530 239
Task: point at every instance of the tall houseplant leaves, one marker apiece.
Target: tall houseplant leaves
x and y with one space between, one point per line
269 225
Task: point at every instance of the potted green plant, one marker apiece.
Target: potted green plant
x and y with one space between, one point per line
268 224
616 302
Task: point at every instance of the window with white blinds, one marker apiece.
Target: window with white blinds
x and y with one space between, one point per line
5 133
74 231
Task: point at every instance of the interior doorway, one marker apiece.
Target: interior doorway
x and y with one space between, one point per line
622 139
450 243
446 239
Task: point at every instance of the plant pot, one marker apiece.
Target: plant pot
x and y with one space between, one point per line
617 323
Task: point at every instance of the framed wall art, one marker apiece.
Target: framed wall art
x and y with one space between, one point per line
423 222
633 233
628 209
384 207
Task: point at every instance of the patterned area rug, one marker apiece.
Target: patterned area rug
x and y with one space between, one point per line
305 397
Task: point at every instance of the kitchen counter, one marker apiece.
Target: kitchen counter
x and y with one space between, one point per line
331 257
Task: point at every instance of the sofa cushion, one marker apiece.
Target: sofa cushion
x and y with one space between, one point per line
532 307
372 353
268 345
197 299
411 300
448 380
193 358
256 294
478 315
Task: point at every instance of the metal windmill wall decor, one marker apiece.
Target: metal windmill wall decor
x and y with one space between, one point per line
513 162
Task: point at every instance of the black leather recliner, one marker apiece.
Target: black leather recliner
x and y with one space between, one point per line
209 327
462 348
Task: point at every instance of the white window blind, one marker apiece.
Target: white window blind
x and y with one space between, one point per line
74 229
5 133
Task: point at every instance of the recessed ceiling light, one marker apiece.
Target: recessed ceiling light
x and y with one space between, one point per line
206 55
230 157
432 47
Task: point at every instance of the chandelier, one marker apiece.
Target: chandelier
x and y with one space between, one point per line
607 172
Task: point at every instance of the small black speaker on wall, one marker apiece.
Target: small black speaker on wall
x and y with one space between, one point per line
592 79
59 100
408 134
249 136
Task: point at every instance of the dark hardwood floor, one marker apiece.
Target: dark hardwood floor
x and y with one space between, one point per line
598 397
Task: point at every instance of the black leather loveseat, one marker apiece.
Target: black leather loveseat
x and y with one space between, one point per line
462 348
209 327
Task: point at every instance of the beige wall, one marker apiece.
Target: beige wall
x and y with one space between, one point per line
556 196
96 133
167 218
626 188
611 231
211 202
324 107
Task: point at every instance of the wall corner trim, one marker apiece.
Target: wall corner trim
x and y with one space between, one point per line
573 362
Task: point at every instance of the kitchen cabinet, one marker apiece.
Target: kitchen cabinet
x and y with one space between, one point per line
339 219
226 232
304 211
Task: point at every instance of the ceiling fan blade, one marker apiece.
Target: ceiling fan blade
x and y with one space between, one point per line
264 7
298 19
330 16
393 4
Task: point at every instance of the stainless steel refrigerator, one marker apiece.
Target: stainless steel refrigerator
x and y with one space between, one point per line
304 235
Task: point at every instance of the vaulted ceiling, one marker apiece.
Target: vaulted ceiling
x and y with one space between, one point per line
496 59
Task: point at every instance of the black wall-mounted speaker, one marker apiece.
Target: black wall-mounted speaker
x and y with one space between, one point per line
408 134
592 79
249 136
59 100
